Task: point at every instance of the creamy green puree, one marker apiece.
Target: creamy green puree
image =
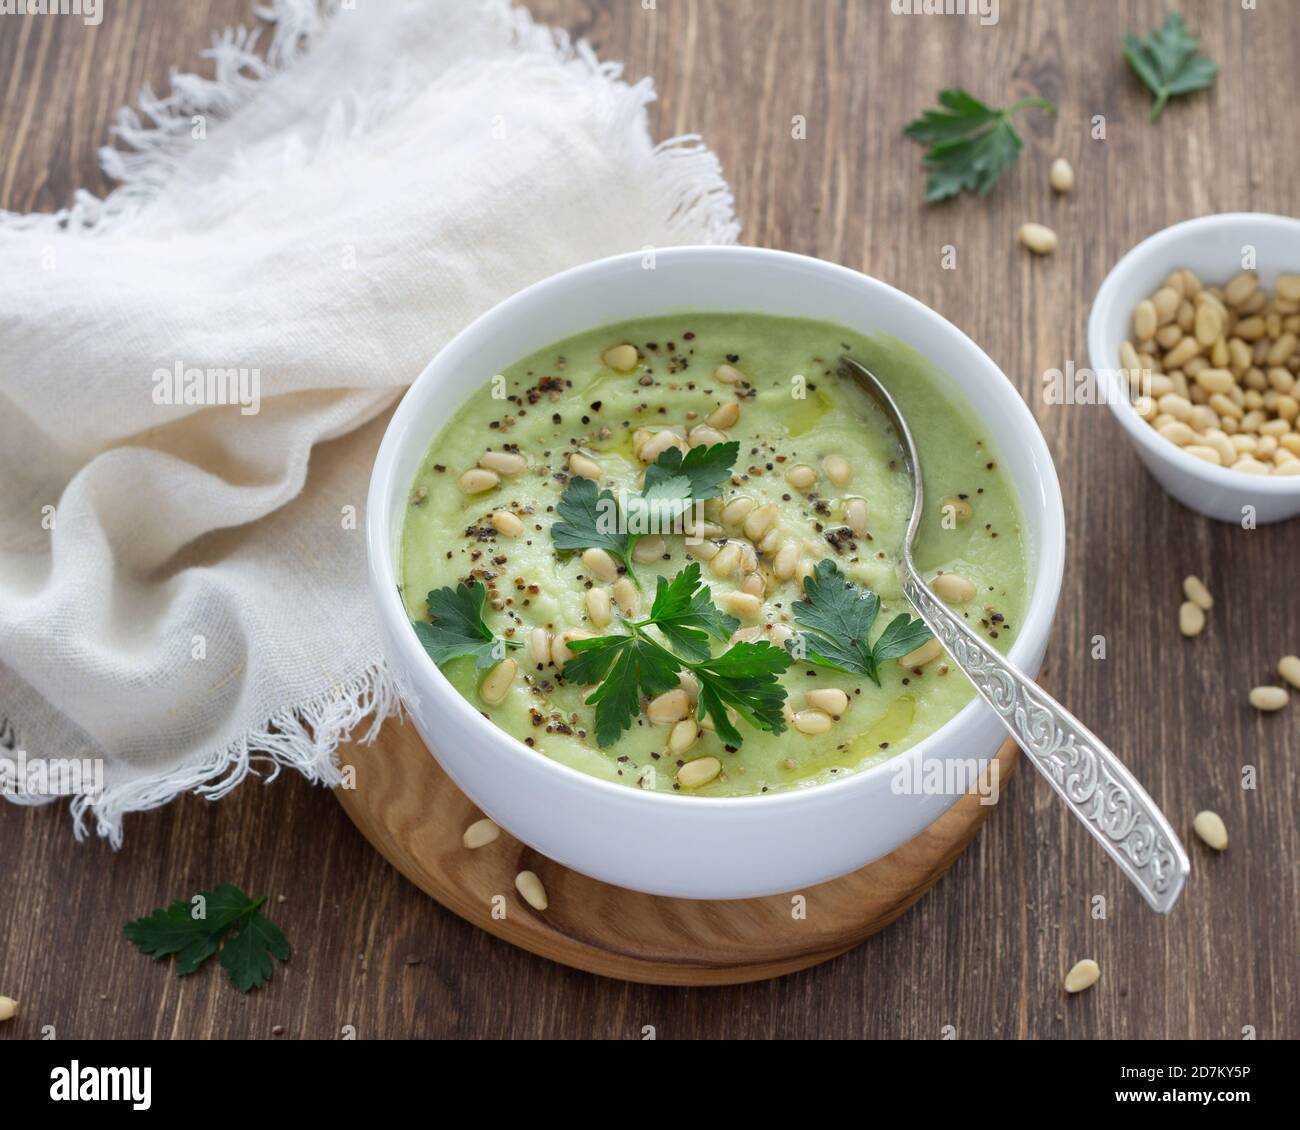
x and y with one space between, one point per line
794 411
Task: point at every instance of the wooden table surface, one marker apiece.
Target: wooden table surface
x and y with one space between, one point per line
985 951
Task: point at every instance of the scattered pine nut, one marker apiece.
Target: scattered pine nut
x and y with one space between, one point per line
477 480
8 1008
507 523
724 416
929 650
599 608
480 833
621 358
1191 619
683 736
837 469
503 462
496 685
1210 828
1061 176
1083 975
729 375
801 477
584 466
599 565
1041 240
530 886
668 708
1269 699
811 722
1195 591
698 772
1289 668
829 700
953 589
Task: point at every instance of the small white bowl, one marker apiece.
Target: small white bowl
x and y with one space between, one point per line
1212 246
663 843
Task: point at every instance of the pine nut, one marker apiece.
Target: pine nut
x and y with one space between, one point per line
801 477
1181 353
626 596
1289 668
1225 406
496 686
1061 175
704 436
760 521
650 548
599 565
754 585
837 469
1083 975
778 634
503 462
1195 591
724 416
1178 432
480 834
1269 698
1040 239
1209 323
691 685
683 736
737 510
702 550
1240 288
584 467
1215 380
829 700
530 887
476 480
811 722
1288 287
748 557
1166 301
928 651
1282 349
670 707
622 358
743 604
729 375
8 1008
786 559
657 444
539 646
771 541
599 610
507 523
1191 619
698 772
1250 466
1144 320
1204 453
561 653
1210 828
1179 407
953 588
1250 329
855 515
726 561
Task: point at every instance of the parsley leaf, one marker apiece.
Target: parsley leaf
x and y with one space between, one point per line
1168 63
246 957
626 668
590 518
457 628
193 931
837 617
706 468
684 611
969 144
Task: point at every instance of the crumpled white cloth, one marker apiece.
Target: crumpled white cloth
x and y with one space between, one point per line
182 585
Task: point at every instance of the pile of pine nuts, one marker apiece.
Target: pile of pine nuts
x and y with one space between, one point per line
1214 370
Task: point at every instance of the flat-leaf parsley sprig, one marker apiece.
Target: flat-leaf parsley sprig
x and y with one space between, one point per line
194 930
456 627
969 144
837 617
1168 63
627 667
589 517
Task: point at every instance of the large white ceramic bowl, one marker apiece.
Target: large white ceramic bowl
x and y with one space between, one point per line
1213 247
697 847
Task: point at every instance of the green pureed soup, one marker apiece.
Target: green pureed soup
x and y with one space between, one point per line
817 478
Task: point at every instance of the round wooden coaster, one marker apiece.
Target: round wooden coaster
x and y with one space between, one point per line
410 810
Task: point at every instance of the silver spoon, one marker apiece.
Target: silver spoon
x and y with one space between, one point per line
1092 780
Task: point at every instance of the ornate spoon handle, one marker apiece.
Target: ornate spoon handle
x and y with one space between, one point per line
1091 779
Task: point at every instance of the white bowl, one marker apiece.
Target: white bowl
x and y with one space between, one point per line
1212 247
697 847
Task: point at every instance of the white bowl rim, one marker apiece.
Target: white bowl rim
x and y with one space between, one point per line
1036 621
1101 353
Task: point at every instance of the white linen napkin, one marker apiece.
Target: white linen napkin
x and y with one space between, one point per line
182 585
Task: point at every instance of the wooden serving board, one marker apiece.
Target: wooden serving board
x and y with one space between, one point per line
410 810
